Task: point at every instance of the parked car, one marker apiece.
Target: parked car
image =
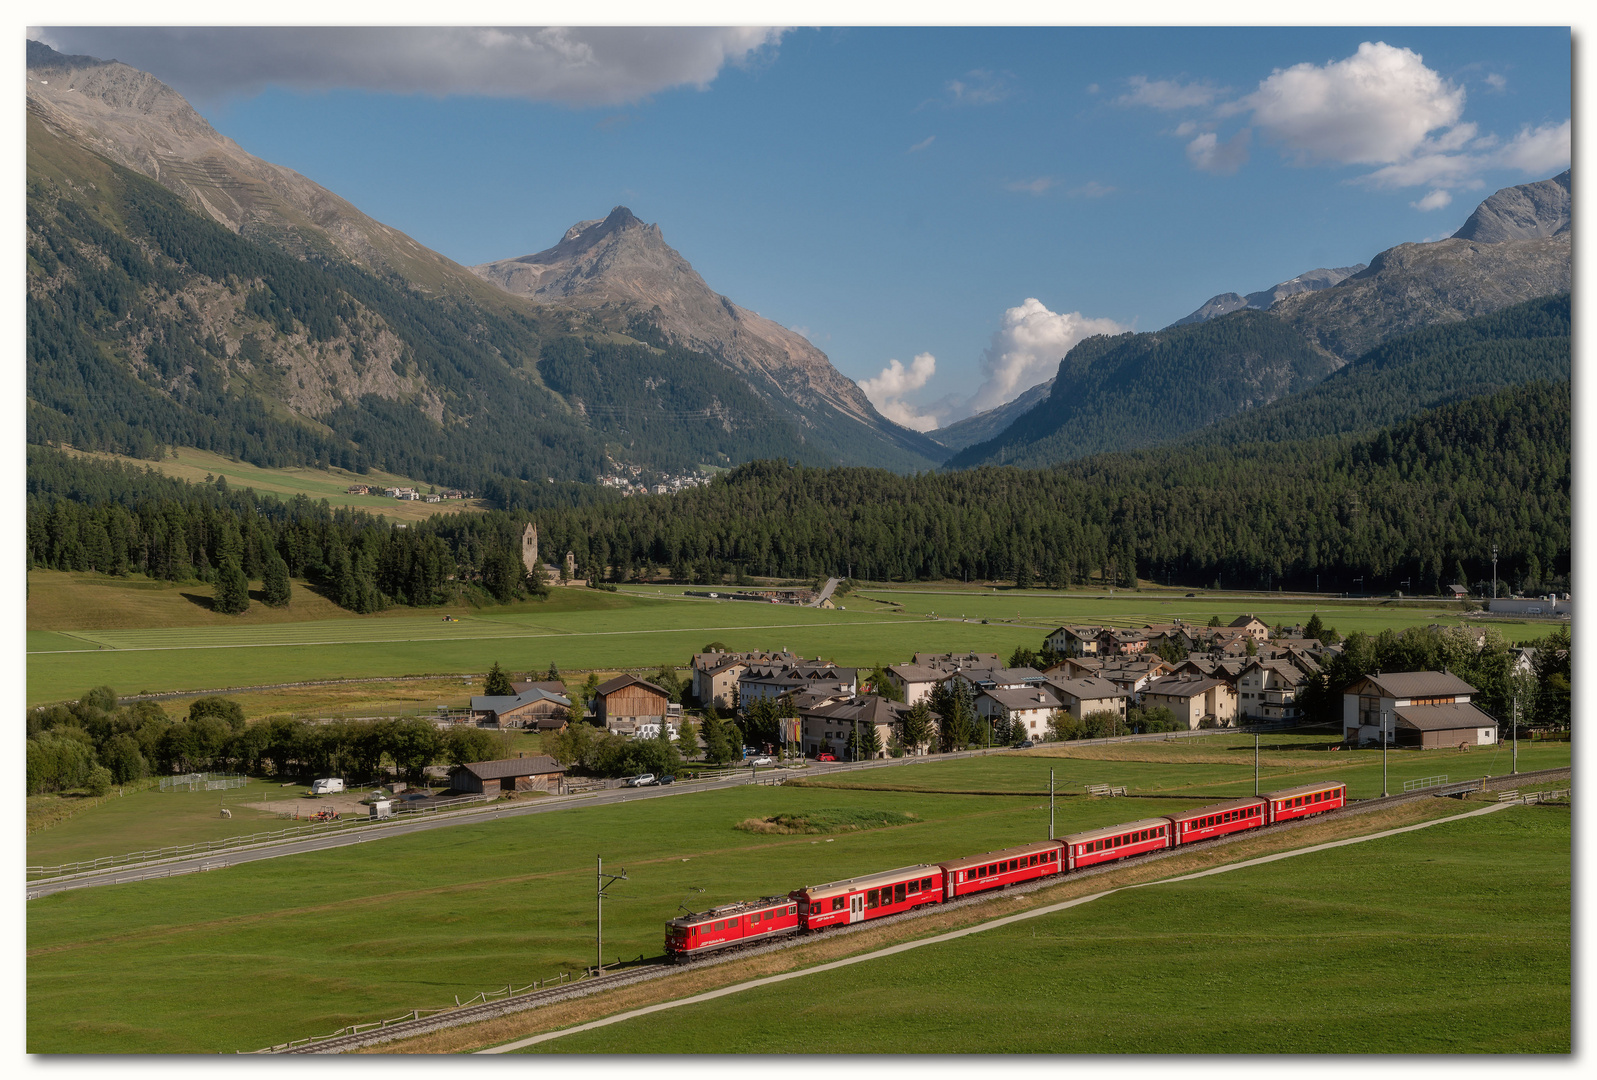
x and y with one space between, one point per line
825 757
664 780
327 786
1025 745
764 761
641 780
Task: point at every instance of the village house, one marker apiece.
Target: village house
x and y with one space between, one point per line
1114 641
826 728
1251 626
537 773
1075 667
916 682
536 709
1268 689
1081 697
1133 674
625 702
763 681
955 661
996 678
1074 640
715 674
1427 709
1030 707
1196 701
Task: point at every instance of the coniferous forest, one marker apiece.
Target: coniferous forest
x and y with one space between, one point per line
1425 500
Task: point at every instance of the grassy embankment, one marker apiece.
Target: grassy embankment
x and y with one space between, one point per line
296 946
289 481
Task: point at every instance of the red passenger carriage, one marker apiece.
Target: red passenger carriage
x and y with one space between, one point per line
1218 819
995 869
870 897
1306 800
1096 846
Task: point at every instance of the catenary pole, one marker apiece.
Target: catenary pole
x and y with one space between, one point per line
1050 804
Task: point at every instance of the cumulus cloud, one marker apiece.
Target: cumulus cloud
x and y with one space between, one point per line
609 65
1434 201
888 389
1372 108
1027 347
1208 154
1167 94
1543 150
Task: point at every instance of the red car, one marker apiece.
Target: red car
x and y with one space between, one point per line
825 757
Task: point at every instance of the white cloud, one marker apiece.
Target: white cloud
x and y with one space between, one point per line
1372 108
1026 350
1167 94
887 391
979 88
1208 154
923 144
1496 82
1091 190
1544 150
583 66
1434 201
1036 187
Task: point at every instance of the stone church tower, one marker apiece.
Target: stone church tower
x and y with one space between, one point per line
529 549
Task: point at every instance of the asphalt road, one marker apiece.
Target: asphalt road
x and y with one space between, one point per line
216 860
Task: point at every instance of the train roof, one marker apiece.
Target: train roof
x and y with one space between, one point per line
1302 789
870 881
1113 830
992 856
1218 808
727 911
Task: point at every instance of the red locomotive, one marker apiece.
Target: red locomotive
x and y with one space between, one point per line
873 896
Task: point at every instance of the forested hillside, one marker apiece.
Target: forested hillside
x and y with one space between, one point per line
1425 500
149 325
1135 390
1417 371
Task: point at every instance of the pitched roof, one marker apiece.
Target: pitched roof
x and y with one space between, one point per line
1175 686
554 686
516 766
1409 684
502 704
1460 714
1025 699
1088 689
918 672
621 682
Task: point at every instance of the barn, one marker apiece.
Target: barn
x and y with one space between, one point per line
627 701
532 708
537 773
1425 709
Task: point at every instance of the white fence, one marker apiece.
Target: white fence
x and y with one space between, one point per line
208 781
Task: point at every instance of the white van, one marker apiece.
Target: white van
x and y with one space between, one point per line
326 787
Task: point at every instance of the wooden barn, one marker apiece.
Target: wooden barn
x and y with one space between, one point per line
538 773
628 700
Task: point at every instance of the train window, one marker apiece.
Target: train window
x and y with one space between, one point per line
870 899
792 909
914 886
898 893
839 903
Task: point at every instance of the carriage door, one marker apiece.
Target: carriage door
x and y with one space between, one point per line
856 908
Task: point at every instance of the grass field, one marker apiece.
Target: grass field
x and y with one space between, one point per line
338 937
330 484
1407 944
138 635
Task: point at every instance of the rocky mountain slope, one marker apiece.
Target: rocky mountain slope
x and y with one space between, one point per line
987 425
1226 303
619 262
1527 212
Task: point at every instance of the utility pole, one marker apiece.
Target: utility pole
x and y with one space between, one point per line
1255 765
1383 754
603 885
1516 733
1050 804
1494 571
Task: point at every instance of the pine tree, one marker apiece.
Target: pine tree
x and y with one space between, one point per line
498 683
275 589
232 596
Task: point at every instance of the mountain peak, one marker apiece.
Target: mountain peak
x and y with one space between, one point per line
1526 212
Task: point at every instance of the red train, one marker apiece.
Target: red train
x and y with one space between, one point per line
873 896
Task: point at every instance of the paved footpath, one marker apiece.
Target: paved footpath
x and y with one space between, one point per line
893 950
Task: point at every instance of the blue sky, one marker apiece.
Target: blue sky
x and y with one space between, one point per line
966 202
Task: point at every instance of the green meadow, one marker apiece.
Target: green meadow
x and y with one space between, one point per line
1451 940
149 646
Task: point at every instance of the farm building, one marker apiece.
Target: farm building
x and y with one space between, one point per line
627 701
538 773
1427 709
1197 701
536 708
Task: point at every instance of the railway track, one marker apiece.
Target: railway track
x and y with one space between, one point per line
470 1014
